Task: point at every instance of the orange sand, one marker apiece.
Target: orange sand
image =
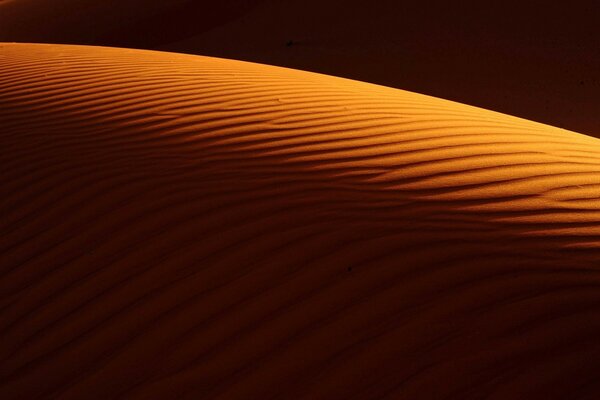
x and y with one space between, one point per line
184 226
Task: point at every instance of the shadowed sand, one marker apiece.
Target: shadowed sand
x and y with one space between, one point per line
183 226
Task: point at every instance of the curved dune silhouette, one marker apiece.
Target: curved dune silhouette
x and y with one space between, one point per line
537 60
178 226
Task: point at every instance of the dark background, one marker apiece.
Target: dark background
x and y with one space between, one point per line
534 59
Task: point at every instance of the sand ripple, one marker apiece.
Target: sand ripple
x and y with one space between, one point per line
176 225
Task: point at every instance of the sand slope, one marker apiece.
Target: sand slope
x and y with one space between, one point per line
187 226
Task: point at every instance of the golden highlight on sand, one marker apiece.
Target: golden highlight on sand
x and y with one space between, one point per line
176 226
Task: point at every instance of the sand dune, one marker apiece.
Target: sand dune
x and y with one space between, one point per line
178 226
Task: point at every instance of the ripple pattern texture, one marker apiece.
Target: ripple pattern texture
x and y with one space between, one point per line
177 226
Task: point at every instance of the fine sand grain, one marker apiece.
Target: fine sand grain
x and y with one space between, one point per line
178 226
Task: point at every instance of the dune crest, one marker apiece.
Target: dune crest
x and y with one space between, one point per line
194 227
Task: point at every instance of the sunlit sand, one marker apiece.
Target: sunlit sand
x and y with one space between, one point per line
185 226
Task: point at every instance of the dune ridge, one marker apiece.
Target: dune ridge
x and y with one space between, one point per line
508 56
184 226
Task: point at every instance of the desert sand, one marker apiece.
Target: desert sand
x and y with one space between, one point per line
177 226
